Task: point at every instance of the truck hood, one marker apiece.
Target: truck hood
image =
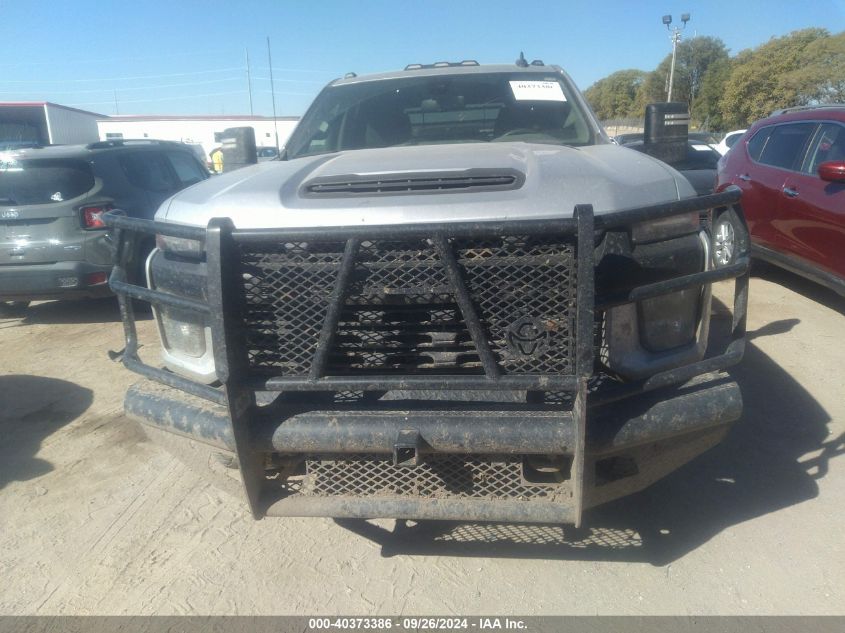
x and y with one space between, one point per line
556 178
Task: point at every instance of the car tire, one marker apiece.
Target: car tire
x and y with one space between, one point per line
13 308
726 239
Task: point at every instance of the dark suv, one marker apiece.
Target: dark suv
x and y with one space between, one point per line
53 242
791 169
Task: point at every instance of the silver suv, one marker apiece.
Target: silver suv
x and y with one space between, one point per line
53 240
453 298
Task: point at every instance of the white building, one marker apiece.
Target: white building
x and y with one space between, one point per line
195 129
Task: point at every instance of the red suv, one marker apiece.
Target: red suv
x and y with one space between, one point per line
791 169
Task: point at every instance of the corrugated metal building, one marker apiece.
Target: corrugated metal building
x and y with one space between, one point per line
44 123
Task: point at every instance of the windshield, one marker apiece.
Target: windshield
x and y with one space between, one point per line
42 181
470 108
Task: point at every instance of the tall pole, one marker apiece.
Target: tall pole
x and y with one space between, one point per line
273 93
248 81
116 109
676 35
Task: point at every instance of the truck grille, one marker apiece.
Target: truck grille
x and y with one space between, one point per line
400 314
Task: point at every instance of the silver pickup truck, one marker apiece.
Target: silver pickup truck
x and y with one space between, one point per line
452 298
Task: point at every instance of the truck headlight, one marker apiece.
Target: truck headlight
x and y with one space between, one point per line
669 321
665 228
662 332
185 335
182 332
179 245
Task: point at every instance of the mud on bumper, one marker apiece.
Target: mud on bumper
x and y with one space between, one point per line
412 459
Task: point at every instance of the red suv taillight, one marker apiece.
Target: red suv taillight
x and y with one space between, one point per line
92 217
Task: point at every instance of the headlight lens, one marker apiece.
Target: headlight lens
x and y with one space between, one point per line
665 228
185 335
182 332
179 245
669 321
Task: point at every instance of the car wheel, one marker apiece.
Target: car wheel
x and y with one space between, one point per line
725 242
13 308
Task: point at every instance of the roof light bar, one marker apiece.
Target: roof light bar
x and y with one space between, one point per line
466 62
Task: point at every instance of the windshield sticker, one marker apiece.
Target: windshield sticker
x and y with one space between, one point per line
537 91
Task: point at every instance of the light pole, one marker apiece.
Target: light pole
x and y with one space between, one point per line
675 36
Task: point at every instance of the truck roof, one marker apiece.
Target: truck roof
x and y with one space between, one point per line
454 69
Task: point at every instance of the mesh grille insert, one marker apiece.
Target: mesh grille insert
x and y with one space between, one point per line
440 476
400 315
287 289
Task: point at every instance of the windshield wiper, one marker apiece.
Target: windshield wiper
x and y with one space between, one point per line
8 201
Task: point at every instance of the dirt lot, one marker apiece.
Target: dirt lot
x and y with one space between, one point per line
96 520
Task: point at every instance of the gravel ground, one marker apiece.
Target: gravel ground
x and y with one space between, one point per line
94 519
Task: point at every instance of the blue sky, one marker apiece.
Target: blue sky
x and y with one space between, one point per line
188 57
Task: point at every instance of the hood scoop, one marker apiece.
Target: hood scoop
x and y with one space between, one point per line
466 181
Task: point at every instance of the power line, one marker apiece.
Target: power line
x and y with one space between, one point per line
191 96
248 81
298 70
272 92
100 59
293 81
132 88
286 92
195 72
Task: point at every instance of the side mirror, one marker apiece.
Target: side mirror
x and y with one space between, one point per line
832 171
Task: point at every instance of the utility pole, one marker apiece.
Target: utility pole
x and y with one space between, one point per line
273 93
248 81
675 37
116 109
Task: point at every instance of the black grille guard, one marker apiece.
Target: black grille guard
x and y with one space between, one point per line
226 307
222 242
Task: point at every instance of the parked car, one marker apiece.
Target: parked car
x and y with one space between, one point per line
453 299
791 168
199 152
704 137
53 242
626 139
7 146
728 141
266 153
698 166
636 137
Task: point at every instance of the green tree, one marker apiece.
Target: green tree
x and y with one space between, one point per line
768 77
820 76
693 59
706 109
614 96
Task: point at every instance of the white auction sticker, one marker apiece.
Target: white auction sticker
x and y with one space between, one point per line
537 91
